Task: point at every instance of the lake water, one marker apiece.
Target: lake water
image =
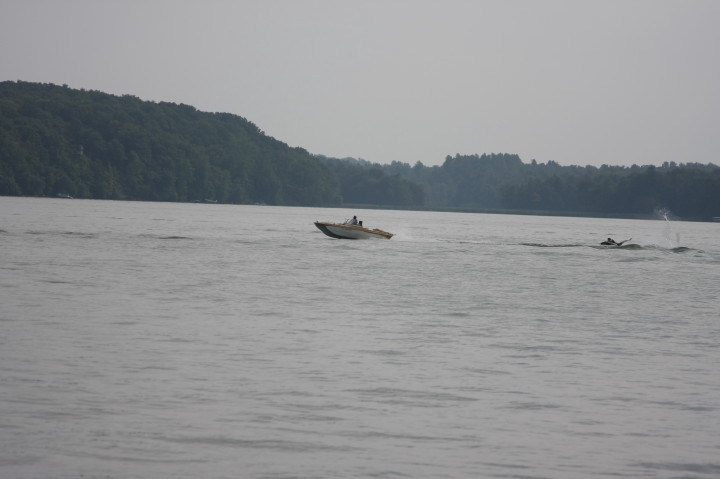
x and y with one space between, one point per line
160 340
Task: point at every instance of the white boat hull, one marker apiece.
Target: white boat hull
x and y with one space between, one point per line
341 231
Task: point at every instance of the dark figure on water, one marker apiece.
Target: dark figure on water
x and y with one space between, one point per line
612 242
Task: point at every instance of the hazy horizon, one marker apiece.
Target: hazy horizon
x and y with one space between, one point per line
578 83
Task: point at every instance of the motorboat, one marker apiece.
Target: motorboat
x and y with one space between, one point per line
348 231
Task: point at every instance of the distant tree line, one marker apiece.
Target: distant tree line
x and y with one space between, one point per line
689 191
503 181
88 144
365 183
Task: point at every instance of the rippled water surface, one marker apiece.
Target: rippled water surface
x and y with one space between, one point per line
157 340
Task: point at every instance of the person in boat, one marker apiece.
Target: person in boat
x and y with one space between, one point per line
352 221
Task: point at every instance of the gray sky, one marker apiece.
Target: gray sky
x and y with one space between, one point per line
573 81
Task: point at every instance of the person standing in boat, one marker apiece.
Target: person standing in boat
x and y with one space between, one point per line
352 221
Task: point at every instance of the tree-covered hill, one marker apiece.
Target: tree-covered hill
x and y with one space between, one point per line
88 144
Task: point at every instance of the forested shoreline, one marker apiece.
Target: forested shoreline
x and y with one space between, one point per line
55 140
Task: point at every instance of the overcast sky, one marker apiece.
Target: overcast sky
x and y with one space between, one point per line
577 82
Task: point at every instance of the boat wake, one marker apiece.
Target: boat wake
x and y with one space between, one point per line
543 245
625 247
676 249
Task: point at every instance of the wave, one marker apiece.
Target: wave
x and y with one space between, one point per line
174 237
272 444
625 246
76 234
695 468
161 237
676 249
580 245
631 246
543 245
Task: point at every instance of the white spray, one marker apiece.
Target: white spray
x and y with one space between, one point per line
665 214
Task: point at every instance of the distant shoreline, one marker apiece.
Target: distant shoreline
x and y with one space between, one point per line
358 206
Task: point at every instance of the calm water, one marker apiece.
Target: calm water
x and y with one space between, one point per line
157 340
